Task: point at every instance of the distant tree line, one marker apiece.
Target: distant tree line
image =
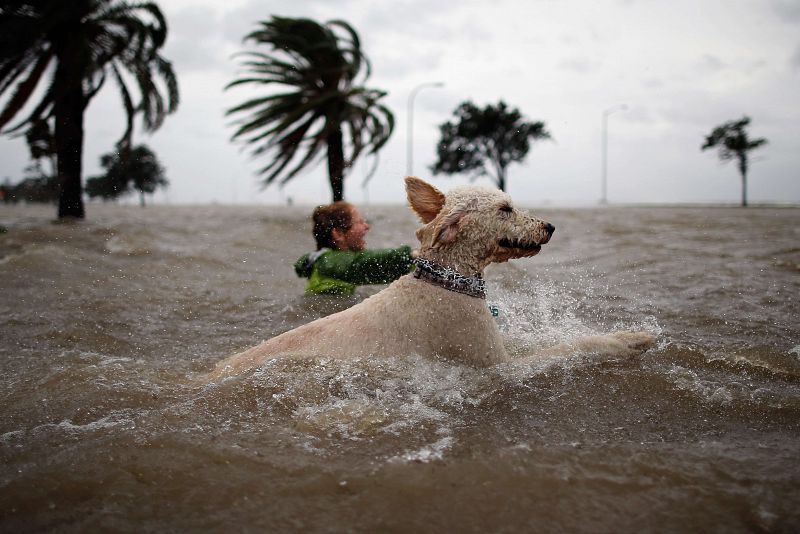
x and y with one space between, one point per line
33 189
135 170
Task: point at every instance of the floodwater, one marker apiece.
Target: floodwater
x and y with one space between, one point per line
106 324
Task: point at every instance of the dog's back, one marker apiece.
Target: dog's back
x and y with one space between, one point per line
408 317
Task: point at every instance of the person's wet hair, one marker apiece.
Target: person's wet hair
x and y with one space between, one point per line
337 215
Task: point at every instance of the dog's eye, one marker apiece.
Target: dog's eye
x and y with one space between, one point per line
506 209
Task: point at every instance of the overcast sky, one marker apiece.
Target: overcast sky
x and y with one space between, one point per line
681 67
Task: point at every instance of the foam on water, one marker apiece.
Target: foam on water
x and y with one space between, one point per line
433 452
360 398
129 245
707 390
37 253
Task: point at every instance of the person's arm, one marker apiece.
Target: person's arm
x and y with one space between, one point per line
303 267
367 267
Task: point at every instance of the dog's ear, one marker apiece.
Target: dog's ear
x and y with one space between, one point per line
425 200
447 229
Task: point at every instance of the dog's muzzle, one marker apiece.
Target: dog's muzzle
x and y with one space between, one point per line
520 245
525 247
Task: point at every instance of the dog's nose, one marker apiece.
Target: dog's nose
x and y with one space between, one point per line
549 228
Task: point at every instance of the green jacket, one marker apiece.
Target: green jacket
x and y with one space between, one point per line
337 272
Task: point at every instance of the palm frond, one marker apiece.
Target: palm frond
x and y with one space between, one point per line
13 67
167 74
42 111
260 101
313 150
277 112
357 58
24 90
93 85
127 102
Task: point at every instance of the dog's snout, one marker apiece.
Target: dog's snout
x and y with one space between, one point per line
548 232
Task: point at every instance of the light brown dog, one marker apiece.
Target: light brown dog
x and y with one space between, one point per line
439 310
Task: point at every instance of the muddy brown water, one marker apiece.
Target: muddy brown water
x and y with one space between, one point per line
105 325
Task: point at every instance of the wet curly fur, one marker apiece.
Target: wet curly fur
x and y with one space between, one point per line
466 230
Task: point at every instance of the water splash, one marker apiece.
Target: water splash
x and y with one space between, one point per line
536 314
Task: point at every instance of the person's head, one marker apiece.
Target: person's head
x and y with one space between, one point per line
339 226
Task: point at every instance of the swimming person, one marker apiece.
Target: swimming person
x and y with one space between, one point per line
342 261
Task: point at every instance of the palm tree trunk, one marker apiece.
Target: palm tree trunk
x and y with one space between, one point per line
336 164
743 171
141 198
68 107
501 179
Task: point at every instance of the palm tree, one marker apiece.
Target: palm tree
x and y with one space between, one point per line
732 142
320 103
76 45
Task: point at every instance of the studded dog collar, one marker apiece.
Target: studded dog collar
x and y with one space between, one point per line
449 279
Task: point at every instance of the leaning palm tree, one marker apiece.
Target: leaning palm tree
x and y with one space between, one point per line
319 103
732 141
66 50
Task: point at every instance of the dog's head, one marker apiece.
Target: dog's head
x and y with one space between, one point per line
471 226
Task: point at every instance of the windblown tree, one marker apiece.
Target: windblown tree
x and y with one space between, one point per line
42 145
65 51
484 142
316 101
136 169
732 142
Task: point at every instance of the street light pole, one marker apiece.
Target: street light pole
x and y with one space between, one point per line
410 132
606 113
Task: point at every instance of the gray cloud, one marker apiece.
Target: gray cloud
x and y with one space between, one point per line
637 114
194 42
711 64
399 65
581 65
787 10
392 35
653 83
238 22
402 45
794 61
406 20
755 66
